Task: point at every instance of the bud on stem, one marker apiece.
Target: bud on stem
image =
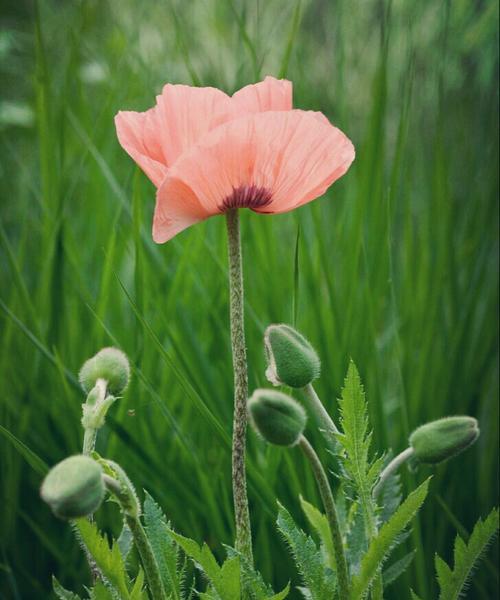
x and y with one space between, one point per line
109 364
432 444
74 487
440 440
292 361
105 374
279 419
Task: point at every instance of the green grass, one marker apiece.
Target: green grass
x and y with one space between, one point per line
397 264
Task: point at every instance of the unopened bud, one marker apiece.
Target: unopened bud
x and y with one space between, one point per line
74 487
278 418
439 440
292 361
109 364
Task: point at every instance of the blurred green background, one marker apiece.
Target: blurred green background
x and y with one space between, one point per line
397 264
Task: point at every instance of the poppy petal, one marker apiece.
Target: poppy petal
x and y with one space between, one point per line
185 114
270 94
177 211
288 158
137 135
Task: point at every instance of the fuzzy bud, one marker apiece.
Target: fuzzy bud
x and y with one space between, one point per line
278 418
292 361
439 440
109 364
74 487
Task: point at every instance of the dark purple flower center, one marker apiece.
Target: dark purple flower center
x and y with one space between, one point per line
247 196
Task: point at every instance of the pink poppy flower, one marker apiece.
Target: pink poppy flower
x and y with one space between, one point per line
207 152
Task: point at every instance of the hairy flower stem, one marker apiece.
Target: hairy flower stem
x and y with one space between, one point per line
89 440
331 514
393 466
319 411
131 510
238 345
148 560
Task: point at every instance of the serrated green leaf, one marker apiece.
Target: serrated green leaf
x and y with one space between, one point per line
108 559
227 583
224 581
138 592
319 522
280 595
466 556
253 584
383 543
356 539
62 593
443 571
390 495
125 541
355 440
355 437
397 569
357 465
164 548
201 555
317 577
414 596
100 592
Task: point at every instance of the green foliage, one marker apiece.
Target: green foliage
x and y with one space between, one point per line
253 583
391 496
356 538
108 559
397 568
62 593
101 592
319 580
164 548
320 523
454 582
224 581
384 542
138 592
125 540
355 440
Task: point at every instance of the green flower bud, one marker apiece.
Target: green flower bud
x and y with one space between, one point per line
291 359
74 487
278 418
439 440
109 364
